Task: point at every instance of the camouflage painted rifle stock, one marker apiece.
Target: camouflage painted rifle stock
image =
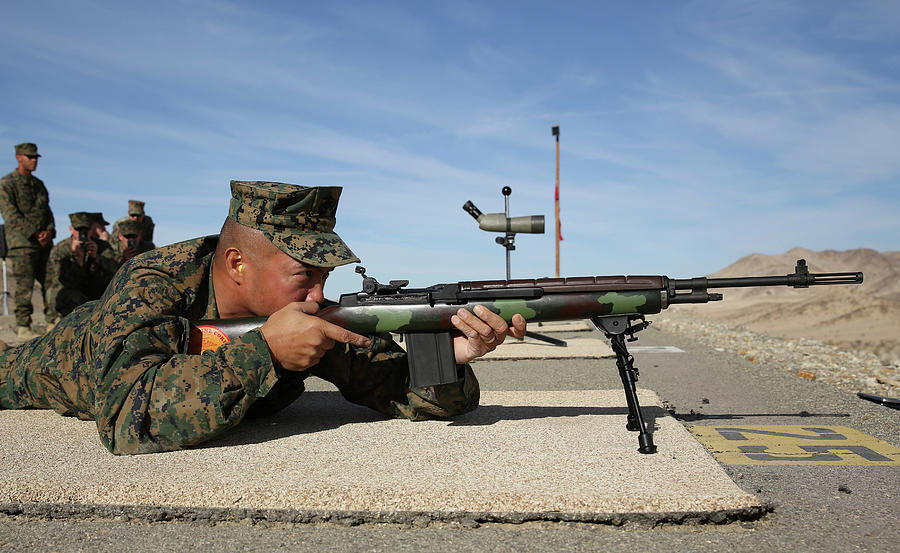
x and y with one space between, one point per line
423 315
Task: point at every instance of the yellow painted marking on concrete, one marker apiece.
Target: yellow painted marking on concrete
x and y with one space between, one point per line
794 445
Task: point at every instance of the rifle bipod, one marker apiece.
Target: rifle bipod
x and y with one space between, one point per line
616 328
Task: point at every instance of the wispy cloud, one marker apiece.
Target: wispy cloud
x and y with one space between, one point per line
873 21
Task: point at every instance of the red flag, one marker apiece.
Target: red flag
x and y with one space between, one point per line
558 222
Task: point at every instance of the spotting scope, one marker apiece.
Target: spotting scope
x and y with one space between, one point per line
502 222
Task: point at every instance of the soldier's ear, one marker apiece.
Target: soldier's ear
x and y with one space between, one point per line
234 264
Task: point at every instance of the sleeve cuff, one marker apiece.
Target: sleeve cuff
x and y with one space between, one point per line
259 367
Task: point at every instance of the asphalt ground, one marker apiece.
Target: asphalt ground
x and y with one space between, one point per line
816 507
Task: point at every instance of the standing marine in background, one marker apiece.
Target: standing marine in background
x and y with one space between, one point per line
136 213
81 266
25 206
128 241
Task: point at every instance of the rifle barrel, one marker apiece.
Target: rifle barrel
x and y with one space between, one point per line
801 278
797 281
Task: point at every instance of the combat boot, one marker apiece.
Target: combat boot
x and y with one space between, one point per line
26 333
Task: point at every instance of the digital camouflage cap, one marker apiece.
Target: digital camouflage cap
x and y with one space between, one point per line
299 220
27 149
130 228
135 207
98 218
81 219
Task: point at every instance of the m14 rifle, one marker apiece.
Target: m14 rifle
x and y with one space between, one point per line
617 306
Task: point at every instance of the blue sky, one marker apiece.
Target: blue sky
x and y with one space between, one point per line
692 133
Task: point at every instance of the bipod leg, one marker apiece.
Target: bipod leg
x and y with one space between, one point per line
615 329
628 374
625 363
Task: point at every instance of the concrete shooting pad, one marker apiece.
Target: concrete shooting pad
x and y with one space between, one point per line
560 455
561 326
533 348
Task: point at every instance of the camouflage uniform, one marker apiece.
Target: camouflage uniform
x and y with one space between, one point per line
126 228
120 360
25 206
136 207
69 284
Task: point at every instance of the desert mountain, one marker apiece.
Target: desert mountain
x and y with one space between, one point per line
865 316
881 270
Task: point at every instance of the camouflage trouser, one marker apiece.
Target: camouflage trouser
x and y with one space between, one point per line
398 400
27 266
25 385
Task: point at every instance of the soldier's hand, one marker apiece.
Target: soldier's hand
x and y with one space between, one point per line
78 248
482 332
129 252
44 238
297 339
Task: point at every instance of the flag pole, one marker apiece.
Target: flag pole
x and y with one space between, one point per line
556 199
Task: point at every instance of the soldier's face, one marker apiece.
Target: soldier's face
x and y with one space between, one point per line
27 162
278 279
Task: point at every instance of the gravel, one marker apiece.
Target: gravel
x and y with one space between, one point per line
851 370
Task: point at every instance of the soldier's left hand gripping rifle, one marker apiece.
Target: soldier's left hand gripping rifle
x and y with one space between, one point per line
617 306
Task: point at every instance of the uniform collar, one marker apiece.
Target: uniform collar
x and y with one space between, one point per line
212 310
